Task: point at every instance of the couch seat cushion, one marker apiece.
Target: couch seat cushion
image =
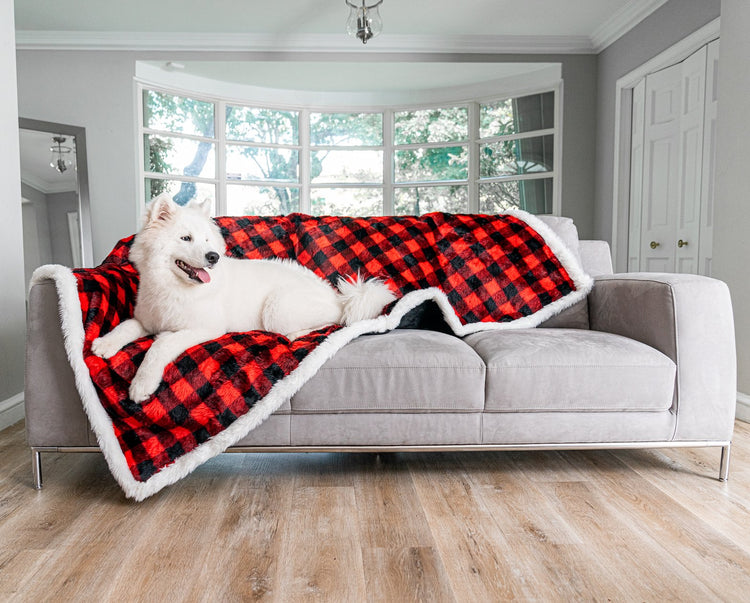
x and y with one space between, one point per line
406 369
572 370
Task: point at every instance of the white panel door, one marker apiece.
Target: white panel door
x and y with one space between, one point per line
661 158
705 249
673 217
691 162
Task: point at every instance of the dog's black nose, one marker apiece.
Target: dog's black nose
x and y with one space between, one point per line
212 257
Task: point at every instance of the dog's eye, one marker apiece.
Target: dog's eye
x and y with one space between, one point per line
187 238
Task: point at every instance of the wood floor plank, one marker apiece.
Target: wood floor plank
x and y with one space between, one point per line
18 568
42 518
717 504
482 565
538 533
388 509
518 507
321 552
411 574
12 452
549 526
609 535
251 530
70 572
680 534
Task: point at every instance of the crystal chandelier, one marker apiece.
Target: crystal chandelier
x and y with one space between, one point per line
61 155
364 20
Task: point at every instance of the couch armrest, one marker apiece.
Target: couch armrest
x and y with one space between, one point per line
54 411
688 318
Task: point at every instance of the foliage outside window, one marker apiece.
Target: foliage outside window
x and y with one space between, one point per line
516 154
268 161
431 160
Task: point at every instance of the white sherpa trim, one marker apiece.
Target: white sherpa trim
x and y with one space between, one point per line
70 314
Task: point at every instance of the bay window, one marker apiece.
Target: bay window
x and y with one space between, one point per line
478 156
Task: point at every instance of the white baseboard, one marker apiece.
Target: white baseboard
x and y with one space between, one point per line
11 410
743 407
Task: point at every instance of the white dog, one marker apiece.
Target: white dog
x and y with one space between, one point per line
190 292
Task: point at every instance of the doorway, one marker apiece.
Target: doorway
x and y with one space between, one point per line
671 171
630 173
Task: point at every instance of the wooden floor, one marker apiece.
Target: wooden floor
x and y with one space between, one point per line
545 526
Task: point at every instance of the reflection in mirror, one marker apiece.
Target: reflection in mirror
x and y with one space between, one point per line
54 190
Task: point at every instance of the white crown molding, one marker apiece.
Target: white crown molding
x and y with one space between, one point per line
616 26
234 42
622 22
45 187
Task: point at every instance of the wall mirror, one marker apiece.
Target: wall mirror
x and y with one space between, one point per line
54 195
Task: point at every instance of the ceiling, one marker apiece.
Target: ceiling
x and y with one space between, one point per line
579 25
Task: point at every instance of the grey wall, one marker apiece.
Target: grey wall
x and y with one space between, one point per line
732 208
12 297
93 90
662 29
96 90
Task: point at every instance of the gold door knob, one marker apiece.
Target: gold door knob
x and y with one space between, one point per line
654 244
681 243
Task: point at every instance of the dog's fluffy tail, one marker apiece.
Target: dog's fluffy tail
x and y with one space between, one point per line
363 299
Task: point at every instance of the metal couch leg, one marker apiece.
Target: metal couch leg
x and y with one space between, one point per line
724 464
36 467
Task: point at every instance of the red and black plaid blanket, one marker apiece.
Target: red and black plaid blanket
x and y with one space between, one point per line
490 269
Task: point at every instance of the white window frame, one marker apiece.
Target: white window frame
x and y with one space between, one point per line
389 147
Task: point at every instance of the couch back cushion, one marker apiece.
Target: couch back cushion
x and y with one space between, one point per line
577 316
566 230
596 257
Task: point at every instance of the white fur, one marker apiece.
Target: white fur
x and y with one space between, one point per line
232 295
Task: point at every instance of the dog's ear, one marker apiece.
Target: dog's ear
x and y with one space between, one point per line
161 209
204 206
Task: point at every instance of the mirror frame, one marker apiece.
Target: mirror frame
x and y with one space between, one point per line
84 203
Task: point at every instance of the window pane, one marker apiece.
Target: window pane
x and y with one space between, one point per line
181 192
346 129
347 166
260 163
432 125
261 200
425 165
168 155
262 125
535 196
516 157
517 115
177 114
424 199
346 201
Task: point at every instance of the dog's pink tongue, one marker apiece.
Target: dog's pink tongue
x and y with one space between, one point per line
203 275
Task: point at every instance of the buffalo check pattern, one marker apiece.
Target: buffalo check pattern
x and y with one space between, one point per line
490 268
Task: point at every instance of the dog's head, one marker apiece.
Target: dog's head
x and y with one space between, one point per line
181 241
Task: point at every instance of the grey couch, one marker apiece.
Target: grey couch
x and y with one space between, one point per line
648 360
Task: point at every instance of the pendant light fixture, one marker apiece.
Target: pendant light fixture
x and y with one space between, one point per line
61 155
364 20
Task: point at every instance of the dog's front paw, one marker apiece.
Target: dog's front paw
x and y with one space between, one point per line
143 386
104 347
